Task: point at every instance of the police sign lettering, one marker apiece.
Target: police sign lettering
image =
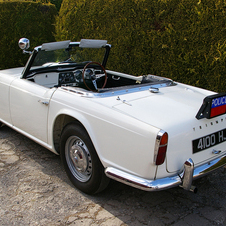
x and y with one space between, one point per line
218 106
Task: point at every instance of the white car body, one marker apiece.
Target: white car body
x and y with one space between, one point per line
122 123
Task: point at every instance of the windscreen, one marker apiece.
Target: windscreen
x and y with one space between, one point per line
73 55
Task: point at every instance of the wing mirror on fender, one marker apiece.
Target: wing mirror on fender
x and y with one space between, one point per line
24 44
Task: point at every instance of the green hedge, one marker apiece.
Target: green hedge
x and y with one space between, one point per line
57 3
180 39
33 20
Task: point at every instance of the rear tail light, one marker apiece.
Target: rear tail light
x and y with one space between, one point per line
160 147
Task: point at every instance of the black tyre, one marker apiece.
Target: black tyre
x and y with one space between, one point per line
80 160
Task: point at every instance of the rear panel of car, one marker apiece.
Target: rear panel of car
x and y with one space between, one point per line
202 141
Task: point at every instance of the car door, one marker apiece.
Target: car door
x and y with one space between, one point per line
29 106
6 78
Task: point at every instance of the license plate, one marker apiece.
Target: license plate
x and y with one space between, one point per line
212 106
209 141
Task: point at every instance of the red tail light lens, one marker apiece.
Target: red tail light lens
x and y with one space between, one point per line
161 147
164 139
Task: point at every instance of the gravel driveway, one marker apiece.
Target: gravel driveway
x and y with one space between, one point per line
34 190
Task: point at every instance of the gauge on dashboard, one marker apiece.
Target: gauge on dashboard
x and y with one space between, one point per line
88 73
67 77
78 75
61 78
71 77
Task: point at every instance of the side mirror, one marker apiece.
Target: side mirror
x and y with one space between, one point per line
24 44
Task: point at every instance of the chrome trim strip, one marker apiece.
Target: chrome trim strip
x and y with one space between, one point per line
107 92
163 183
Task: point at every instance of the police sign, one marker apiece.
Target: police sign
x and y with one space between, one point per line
212 106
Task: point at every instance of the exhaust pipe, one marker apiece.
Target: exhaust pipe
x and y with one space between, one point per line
194 189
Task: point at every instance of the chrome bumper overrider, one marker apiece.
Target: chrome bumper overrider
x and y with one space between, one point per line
184 179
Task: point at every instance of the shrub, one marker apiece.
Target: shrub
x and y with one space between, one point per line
24 19
180 39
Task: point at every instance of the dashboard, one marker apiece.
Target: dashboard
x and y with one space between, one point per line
74 78
65 78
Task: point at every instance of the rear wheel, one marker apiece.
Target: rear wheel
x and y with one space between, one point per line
80 160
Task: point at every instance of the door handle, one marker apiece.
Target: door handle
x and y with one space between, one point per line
44 102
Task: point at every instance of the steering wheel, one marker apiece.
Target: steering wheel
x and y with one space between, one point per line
94 77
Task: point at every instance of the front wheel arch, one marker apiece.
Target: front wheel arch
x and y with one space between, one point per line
59 124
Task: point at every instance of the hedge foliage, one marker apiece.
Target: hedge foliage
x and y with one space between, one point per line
180 39
18 19
57 3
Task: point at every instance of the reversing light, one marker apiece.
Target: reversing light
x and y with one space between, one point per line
160 147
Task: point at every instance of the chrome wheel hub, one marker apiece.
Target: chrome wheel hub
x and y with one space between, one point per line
78 158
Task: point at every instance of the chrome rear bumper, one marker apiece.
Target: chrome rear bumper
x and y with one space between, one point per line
184 179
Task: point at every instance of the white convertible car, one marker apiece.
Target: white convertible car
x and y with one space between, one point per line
148 132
